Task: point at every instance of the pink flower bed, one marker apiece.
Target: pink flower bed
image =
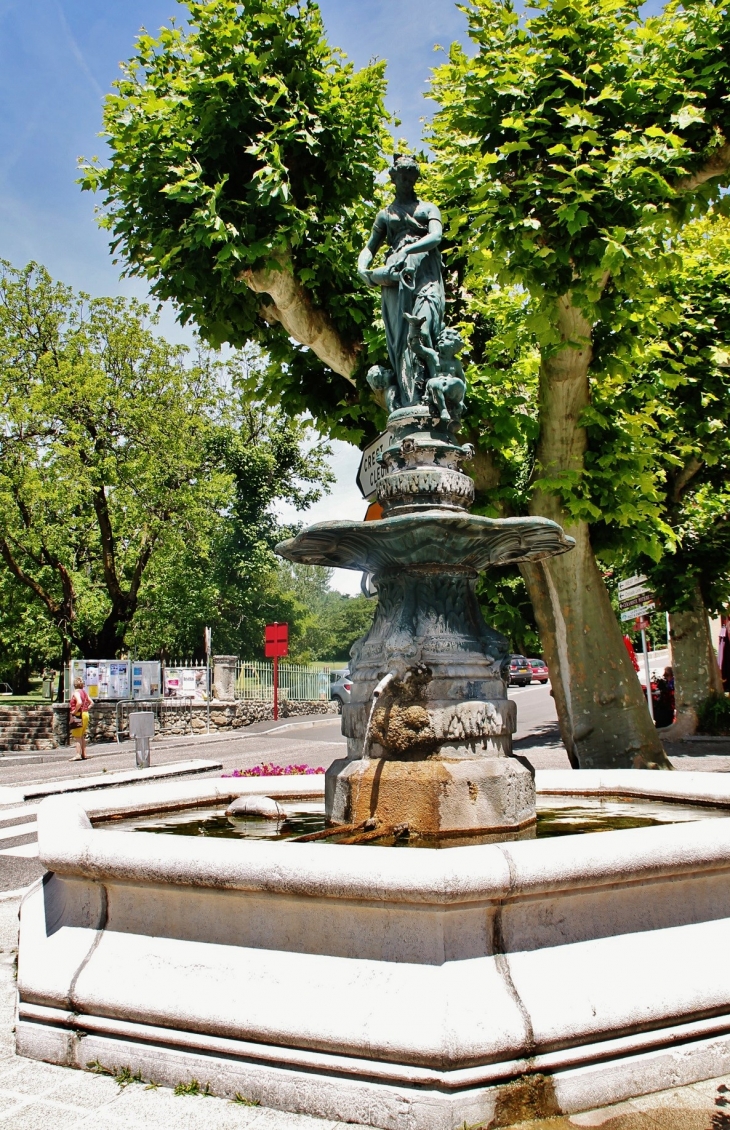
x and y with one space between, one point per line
270 770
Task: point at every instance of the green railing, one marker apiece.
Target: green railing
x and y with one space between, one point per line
298 682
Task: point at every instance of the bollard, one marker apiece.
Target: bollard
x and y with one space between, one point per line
142 728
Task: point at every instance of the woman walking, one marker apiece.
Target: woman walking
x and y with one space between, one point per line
79 707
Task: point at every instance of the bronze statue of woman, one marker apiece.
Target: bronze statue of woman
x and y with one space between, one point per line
411 280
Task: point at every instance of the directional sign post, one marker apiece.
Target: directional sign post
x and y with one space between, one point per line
636 600
371 471
276 643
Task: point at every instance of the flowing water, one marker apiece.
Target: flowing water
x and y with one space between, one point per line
556 816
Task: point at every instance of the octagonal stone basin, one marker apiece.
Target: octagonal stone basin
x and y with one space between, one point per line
409 990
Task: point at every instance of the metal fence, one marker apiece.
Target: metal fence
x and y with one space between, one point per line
297 682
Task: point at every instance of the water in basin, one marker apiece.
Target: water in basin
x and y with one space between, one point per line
556 816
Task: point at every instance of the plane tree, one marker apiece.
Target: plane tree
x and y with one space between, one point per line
136 483
570 146
102 453
684 378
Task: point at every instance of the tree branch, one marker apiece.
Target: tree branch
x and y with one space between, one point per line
101 508
145 553
683 478
26 579
293 308
717 163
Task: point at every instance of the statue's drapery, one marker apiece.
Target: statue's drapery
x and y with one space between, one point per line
416 289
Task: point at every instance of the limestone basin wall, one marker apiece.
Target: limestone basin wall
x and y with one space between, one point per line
414 989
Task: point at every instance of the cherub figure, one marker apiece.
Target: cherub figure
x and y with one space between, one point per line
382 379
446 389
418 343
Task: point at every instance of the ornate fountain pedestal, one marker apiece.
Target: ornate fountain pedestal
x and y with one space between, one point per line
429 725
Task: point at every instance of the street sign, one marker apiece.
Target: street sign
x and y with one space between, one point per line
374 512
632 583
638 610
276 640
636 601
635 597
645 596
371 472
276 643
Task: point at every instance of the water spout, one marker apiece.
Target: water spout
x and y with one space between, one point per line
376 695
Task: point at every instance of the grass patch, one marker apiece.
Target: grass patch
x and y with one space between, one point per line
122 1076
192 1088
241 1100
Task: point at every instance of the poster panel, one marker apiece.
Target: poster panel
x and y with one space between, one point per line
186 682
103 678
146 679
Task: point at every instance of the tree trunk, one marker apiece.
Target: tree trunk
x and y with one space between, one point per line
292 307
694 662
602 712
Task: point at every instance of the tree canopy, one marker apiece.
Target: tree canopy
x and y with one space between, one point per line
242 144
137 484
685 378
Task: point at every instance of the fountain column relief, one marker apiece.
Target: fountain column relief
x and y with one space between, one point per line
429 725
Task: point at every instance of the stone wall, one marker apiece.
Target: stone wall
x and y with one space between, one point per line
180 718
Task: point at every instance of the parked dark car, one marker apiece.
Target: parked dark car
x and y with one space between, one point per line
540 673
340 687
520 672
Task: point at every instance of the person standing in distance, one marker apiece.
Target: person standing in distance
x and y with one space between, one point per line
78 720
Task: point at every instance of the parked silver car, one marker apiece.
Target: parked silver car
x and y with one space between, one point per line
340 687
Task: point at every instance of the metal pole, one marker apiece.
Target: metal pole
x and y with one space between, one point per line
647 674
208 636
276 688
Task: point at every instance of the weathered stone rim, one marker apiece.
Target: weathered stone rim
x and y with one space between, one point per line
475 874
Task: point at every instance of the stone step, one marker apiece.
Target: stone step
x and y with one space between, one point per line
7 731
26 724
26 727
12 759
25 712
28 743
25 736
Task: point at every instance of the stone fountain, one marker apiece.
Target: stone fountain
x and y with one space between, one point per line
429 726
406 990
